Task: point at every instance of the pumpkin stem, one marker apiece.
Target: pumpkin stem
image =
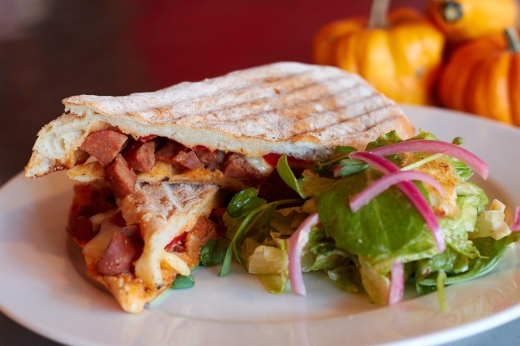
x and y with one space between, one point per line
513 44
378 14
451 11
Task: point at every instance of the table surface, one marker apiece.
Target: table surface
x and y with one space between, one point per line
52 49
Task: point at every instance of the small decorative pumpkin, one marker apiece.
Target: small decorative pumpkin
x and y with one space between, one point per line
462 20
483 77
399 53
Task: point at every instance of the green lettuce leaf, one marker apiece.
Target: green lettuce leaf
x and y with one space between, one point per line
387 228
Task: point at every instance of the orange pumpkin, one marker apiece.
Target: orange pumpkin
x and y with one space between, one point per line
483 77
399 53
462 20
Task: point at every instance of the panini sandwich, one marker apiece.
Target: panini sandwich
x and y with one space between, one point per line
150 167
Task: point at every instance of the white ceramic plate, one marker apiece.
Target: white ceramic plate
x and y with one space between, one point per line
44 288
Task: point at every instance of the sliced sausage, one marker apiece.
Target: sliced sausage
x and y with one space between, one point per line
236 166
121 252
211 160
204 228
80 228
187 160
104 145
168 151
121 177
177 155
140 155
133 232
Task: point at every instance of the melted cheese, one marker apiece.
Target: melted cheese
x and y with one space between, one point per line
160 234
261 165
97 246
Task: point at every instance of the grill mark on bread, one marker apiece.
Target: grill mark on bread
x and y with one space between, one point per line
283 100
367 129
242 89
242 86
324 120
219 106
292 111
379 124
356 118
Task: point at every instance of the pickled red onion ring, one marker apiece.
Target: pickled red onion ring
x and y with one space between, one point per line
515 226
385 182
296 243
396 284
435 147
409 189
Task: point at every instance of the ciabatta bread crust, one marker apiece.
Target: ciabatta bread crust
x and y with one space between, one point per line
301 110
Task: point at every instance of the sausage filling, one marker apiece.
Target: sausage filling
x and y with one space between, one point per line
122 157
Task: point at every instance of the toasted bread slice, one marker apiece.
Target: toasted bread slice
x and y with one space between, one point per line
160 213
304 111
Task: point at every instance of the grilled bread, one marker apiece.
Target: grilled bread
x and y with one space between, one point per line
304 111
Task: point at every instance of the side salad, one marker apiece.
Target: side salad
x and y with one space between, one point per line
371 220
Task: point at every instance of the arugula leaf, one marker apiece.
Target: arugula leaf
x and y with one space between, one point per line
287 175
350 167
326 166
182 282
214 251
244 202
344 149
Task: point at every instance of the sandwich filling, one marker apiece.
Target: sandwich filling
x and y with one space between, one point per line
123 161
136 246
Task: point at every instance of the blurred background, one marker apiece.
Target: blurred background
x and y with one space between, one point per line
52 49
